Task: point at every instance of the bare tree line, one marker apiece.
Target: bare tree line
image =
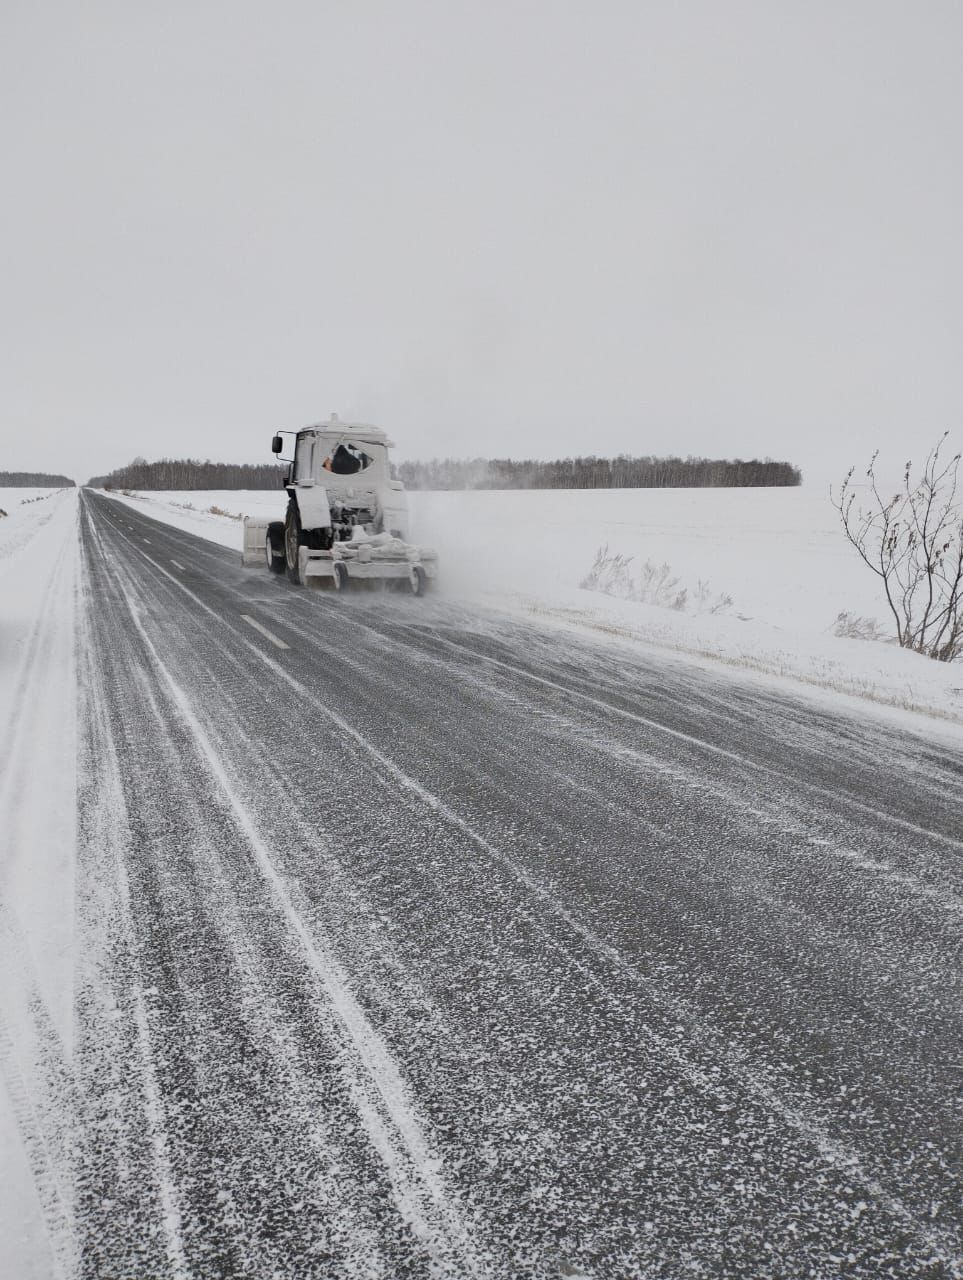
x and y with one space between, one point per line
189 473
622 472
34 480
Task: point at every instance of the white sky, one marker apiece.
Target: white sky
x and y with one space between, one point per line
525 227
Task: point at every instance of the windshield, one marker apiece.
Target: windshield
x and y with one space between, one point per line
346 459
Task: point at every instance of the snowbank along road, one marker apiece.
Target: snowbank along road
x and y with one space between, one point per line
416 941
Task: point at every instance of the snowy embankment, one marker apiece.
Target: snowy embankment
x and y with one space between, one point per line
778 553
38 583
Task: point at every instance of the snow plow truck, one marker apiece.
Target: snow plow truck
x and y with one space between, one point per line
347 518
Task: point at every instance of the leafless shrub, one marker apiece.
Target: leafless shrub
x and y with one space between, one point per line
609 574
705 602
656 584
913 542
219 511
853 627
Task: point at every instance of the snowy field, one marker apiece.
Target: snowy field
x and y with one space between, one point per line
778 553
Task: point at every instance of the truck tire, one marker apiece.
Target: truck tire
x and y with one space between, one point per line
339 578
292 543
418 580
274 546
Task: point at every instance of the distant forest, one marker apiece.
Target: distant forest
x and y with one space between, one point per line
188 473
34 480
622 472
477 473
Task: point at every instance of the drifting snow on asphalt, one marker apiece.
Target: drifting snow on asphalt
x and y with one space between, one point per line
433 946
366 1191
780 553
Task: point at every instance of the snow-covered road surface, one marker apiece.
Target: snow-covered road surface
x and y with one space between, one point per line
780 553
438 945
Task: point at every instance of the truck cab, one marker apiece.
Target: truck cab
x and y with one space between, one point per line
340 480
347 517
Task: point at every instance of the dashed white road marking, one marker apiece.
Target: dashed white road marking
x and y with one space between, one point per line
253 622
147 540
178 565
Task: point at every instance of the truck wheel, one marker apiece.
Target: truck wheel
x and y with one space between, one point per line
274 546
418 579
292 543
339 578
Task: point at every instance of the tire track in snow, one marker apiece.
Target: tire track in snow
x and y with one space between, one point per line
41 1097
107 838
385 1106
774 815
304 1095
420 638
692 740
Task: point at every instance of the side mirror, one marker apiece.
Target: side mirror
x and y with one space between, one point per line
277 444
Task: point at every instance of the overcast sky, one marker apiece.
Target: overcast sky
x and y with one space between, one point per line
530 228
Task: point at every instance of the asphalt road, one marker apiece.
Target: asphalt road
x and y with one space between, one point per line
437 944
